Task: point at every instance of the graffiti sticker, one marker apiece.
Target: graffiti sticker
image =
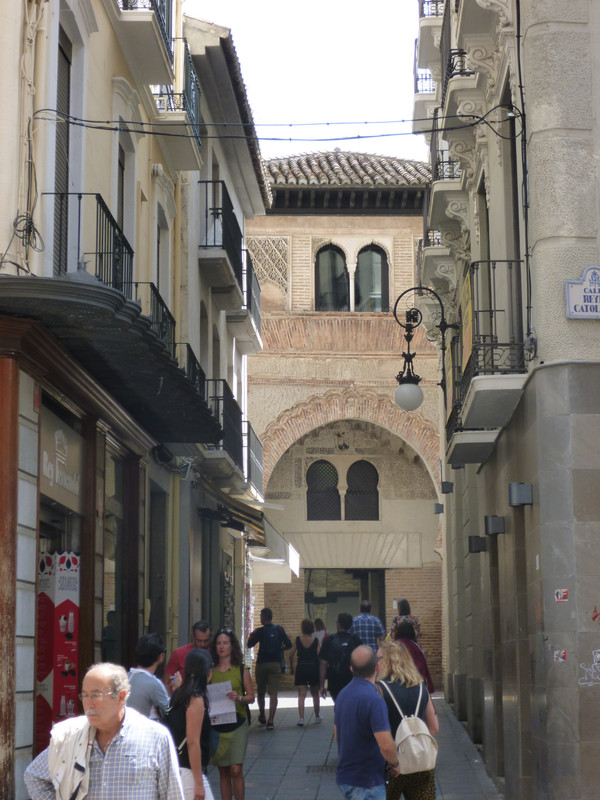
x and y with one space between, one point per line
561 595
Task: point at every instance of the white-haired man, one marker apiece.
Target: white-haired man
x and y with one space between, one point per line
110 753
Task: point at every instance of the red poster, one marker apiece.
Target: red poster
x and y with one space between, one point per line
58 642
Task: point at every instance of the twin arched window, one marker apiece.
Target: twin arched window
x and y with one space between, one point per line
332 281
323 500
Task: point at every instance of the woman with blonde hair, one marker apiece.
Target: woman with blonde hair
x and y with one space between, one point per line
397 670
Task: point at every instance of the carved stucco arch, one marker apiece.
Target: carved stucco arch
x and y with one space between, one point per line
341 404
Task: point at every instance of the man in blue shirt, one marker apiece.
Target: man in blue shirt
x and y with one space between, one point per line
367 627
362 731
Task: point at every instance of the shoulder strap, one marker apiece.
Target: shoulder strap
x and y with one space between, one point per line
389 691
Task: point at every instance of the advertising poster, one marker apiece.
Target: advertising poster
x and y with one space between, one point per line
58 642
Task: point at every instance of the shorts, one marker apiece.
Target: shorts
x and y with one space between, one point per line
362 792
268 675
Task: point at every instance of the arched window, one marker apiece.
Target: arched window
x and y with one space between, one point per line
371 285
332 286
322 496
362 496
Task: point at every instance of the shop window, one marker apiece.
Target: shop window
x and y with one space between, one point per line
332 286
371 290
322 496
362 495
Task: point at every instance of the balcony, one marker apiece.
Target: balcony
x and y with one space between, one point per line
489 386
448 200
120 331
144 31
177 121
438 268
220 250
430 26
244 323
425 100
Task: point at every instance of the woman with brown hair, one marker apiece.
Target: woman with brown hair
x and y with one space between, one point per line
306 648
397 670
229 741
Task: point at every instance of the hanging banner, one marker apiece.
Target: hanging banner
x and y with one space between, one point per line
58 642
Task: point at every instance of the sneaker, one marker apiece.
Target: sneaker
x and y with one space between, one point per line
300 722
270 726
318 720
262 720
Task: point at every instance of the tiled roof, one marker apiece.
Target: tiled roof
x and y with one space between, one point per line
341 169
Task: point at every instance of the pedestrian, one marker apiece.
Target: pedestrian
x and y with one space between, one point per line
362 731
320 632
306 647
110 753
404 615
405 634
228 741
399 673
334 657
147 693
272 641
189 722
367 627
200 638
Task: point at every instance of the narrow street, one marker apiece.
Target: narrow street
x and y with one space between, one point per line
298 763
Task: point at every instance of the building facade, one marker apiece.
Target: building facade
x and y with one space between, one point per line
506 91
130 477
351 481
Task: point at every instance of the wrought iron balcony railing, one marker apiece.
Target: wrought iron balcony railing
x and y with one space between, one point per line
424 83
220 227
163 10
189 100
446 169
229 415
162 322
456 65
431 8
99 239
432 238
191 366
254 458
251 290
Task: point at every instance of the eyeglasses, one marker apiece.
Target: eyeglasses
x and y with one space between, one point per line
95 696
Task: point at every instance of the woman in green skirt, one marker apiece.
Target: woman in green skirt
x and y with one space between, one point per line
228 742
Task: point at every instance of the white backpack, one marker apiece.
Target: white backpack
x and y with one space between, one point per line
417 749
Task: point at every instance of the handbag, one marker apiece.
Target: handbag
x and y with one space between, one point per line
417 749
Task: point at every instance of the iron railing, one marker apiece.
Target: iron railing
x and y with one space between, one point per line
220 227
251 290
424 83
105 242
167 100
456 64
432 238
191 366
162 322
431 8
163 10
229 416
446 169
254 458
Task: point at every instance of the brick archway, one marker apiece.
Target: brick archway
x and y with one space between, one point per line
336 404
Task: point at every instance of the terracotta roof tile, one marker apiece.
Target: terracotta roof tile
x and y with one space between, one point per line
337 168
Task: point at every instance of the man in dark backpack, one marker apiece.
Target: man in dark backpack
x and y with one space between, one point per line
272 640
335 657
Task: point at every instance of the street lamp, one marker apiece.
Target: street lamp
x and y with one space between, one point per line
409 394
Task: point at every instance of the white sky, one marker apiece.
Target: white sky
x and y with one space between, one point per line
325 61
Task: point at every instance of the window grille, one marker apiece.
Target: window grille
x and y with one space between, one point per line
362 495
322 495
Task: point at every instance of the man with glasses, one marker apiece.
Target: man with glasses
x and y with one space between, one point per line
200 638
110 753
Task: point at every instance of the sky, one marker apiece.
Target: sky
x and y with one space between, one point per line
325 62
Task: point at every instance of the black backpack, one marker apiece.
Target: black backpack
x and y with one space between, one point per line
270 643
341 648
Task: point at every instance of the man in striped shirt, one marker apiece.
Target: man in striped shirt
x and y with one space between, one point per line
110 753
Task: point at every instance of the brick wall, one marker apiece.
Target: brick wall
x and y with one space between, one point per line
421 587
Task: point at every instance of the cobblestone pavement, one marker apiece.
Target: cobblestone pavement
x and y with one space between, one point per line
298 763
